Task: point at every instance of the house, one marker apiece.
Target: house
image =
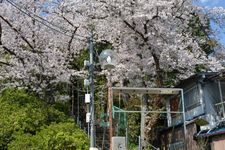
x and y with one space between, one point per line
204 100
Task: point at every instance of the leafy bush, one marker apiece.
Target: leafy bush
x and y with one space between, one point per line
53 137
23 116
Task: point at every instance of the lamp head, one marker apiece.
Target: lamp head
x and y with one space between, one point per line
108 59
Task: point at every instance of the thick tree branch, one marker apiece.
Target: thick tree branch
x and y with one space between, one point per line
157 14
135 30
146 26
71 39
5 63
18 32
1 44
159 77
69 22
7 49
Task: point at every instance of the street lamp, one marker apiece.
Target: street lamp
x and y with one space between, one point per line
108 60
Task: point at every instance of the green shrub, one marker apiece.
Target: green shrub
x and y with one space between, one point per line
61 136
23 116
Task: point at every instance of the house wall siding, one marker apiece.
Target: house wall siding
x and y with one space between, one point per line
172 138
218 142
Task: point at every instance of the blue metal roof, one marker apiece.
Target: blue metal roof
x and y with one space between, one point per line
218 130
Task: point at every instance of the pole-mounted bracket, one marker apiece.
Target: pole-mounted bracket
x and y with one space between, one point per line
86 63
86 82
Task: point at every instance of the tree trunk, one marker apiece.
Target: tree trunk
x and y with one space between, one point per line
159 72
144 99
149 122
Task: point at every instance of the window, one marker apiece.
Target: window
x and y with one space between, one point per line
191 98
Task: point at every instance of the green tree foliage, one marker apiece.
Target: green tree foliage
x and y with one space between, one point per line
134 119
100 80
23 115
202 33
78 61
134 126
61 136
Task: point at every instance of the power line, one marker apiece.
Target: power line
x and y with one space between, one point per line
60 28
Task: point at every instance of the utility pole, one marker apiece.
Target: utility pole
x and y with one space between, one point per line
89 98
91 79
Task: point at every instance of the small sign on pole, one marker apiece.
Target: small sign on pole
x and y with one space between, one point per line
87 98
88 115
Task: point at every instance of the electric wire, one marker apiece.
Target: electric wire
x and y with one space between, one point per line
59 30
21 9
26 12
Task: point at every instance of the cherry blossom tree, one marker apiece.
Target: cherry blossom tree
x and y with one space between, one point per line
152 39
35 53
